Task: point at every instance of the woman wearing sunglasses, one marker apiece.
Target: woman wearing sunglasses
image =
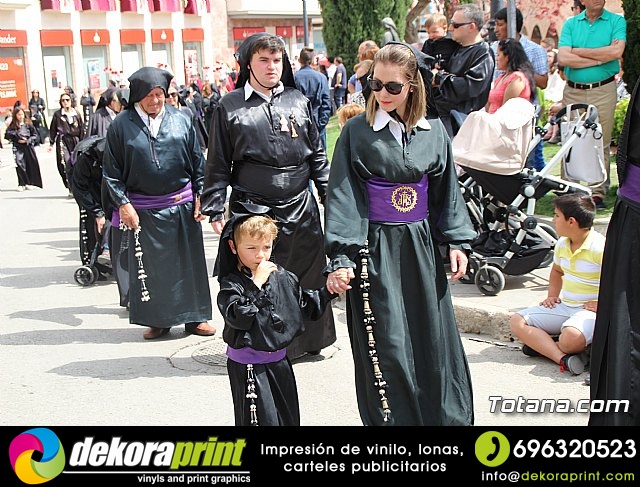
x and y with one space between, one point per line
65 131
393 197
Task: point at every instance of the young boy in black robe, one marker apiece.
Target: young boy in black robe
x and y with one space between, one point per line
264 308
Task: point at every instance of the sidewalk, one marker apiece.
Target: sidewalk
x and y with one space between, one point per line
70 356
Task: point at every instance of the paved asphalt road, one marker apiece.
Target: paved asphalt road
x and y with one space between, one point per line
70 357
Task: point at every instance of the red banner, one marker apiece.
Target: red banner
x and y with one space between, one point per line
13 86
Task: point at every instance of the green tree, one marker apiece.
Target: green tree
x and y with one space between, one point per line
345 24
631 56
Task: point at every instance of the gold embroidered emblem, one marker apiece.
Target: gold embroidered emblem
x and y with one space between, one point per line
177 198
404 198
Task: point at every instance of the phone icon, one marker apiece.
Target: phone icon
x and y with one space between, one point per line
492 448
492 456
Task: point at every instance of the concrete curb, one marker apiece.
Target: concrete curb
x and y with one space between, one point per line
488 320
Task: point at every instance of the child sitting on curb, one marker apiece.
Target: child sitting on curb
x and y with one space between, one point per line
561 327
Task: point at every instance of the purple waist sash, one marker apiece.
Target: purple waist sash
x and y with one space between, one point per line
248 355
397 202
630 188
156 202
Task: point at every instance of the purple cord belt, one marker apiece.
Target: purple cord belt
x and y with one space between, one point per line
156 202
248 355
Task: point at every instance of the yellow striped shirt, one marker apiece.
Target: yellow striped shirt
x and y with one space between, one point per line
581 268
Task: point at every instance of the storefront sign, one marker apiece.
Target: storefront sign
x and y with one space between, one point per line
285 32
12 82
241 33
13 38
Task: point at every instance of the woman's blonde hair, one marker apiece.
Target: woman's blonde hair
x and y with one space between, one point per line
403 57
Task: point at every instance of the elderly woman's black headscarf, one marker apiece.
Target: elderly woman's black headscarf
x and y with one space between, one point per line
243 56
146 79
227 261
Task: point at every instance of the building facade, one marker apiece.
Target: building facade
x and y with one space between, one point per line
49 44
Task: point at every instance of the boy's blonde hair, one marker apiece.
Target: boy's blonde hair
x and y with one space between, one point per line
345 112
257 226
436 19
403 57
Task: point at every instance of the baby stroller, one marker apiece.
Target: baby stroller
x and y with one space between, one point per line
501 198
85 177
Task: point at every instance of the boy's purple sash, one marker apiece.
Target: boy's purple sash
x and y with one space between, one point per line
248 355
397 202
159 202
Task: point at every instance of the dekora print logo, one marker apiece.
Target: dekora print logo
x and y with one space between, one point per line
21 453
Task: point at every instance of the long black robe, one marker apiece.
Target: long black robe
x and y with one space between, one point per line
65 135
249 151
266 319
27 165
615 350
171 240
86 182
417 340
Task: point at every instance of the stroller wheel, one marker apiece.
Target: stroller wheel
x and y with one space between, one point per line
85 275
472 270
490 280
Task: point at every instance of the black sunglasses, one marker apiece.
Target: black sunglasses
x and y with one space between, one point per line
455 25
173 95
393 87
65 99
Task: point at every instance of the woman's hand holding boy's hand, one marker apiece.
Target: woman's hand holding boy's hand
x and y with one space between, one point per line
338 280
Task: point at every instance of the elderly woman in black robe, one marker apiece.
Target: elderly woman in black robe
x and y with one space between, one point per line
265 145
153 169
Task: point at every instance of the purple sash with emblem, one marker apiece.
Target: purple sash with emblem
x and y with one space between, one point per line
397 202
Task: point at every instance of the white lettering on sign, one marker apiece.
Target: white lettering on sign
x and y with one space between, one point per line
4 66
8 39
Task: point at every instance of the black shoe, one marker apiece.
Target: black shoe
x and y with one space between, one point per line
530 352
576 364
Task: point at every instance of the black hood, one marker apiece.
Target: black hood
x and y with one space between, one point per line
106 97
243 56
227 261
146 79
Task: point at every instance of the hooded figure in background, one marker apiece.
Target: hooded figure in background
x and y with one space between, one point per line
265 145
109 105
390 31
153 170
